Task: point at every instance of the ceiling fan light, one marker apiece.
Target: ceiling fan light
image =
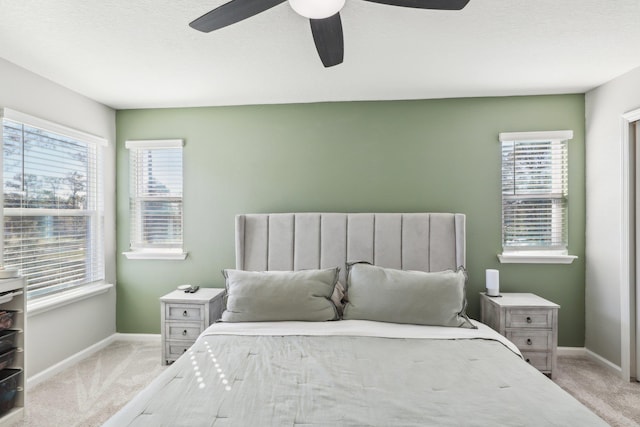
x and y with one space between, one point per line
317 9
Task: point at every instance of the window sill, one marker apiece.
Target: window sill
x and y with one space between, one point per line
511 258
176 256
44 304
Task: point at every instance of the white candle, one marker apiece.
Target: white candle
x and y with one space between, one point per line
493 282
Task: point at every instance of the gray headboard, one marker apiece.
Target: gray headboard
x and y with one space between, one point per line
296 241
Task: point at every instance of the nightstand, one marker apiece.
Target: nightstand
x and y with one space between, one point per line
527 320
183 318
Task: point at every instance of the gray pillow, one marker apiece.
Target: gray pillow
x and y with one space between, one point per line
254 296
397 296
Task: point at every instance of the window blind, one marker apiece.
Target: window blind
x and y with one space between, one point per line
53 206
156 194
534 191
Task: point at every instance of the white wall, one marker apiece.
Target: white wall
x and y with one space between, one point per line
604 107
54 335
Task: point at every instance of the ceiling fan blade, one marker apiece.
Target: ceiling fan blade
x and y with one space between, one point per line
327 35
230 13
425 4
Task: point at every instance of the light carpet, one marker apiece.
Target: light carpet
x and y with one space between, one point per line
88 393
614 400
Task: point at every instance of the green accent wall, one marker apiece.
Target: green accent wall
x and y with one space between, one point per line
387 156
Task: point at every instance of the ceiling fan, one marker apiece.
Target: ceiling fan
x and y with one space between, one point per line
324 16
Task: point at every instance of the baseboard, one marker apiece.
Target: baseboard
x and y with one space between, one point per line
136 337
572 351
582 351
604 363
50 372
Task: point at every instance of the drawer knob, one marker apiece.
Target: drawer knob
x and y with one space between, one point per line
184 332
529 341
529 320
185 314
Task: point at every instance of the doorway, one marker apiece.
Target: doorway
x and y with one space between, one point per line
634 293
630 262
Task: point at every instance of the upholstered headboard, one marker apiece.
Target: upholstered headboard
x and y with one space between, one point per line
297 241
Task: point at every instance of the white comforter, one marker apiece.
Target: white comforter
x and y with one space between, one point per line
351 373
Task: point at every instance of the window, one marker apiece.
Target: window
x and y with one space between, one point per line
534 197
155 199
53 206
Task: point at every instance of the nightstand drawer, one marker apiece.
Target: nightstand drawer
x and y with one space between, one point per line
531 340
183 331
184 312
529 318
539 360
173 349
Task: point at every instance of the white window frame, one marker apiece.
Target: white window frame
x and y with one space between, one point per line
537 256
151 253
95 211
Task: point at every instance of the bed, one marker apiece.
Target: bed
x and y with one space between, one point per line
281 357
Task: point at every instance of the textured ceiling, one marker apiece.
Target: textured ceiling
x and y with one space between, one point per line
138 54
